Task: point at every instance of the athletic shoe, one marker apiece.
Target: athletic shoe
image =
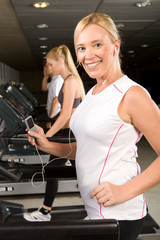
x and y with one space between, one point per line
37 216
86 218
68 163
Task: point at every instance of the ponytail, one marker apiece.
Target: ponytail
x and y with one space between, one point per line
63 52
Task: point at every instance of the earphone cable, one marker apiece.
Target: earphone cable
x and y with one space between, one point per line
44 165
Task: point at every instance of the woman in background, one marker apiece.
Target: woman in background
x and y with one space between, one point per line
60 62
72 92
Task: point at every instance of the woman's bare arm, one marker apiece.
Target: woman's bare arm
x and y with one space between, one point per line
58 149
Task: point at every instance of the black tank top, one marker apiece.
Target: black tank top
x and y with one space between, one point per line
61 95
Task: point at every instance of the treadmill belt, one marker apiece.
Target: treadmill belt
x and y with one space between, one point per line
67 223
58 213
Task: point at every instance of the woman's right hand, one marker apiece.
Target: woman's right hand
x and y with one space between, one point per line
39 138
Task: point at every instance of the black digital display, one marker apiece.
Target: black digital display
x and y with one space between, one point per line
30 122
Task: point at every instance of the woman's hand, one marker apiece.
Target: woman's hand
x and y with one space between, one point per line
108 194
39 138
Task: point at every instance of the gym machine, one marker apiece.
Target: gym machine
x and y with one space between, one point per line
14 93
38 109
20 86
67 221
18 150
12 224
22 96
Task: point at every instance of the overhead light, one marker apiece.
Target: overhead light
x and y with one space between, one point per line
44 53
43 4
131 51
42 38
144 45
43 25
43 46
143 3
120 25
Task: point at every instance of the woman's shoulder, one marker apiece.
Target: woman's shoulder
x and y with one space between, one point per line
125 82
70 83
137 97
70 77
128 86
71 80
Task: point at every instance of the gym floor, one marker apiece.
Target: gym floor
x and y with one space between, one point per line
146 156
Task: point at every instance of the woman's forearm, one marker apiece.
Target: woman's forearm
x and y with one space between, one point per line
59 123
54 148
44 83
63 150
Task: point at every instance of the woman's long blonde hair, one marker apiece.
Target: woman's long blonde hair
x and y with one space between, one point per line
63 52
102 20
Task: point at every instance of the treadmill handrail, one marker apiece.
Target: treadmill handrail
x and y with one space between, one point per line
9 175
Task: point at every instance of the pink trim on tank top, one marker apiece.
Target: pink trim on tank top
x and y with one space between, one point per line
144 202
139 133
117 88
135 153
99 180
135 161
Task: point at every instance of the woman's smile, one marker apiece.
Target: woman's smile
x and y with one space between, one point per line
93 65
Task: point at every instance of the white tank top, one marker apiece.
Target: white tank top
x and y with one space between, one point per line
54 87
106 150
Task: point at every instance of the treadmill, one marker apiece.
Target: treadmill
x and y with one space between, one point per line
19 92
67 222
18 150
40 113
20 86
18 97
